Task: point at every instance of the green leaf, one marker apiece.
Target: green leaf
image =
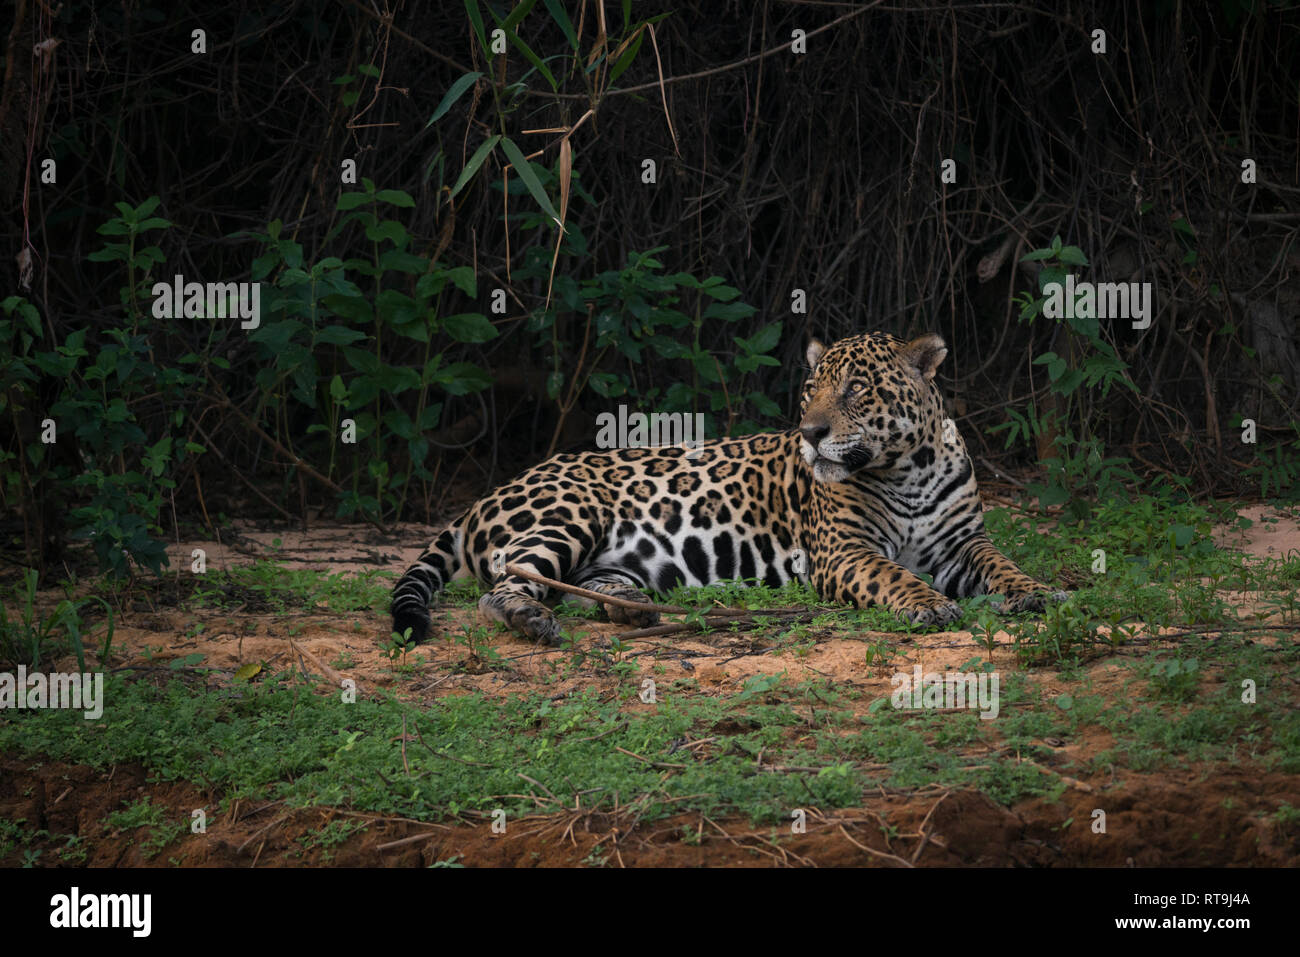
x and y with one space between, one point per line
395 197
457 90
517 15
356 308
430 284
607 384
627 57
1049 275
248 672
348 201
400 424
1053 495
715 288
402 261
532 57
463 278
429 416
389 229
525 171
469 327
397 307
339 335
563 22
765 339
476 21
462 378
729 311
476 160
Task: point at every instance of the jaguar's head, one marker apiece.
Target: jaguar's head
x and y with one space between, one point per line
869 402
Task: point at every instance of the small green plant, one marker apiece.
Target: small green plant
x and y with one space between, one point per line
140 814
396 646
1277 469
73 852
985 629
1176 679
597 858
1077 468
11 835
641 310
1287 817
143 814
1066 629
160 836
331 836
477 638
29 639
878 653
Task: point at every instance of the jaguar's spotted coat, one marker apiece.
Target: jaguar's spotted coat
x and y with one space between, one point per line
874 486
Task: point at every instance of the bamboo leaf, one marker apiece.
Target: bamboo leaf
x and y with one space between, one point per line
475 162
529 178
457 90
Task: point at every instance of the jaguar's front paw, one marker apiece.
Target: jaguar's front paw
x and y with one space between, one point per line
1032 600
637 617
537 623
939 612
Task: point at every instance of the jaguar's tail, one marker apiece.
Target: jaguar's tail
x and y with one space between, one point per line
429 575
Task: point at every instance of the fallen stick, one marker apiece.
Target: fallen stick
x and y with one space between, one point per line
673 627
329 673
1072 782
521 572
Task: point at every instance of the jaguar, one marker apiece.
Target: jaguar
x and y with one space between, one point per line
872 489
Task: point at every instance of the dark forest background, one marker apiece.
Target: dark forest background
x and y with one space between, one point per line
427 330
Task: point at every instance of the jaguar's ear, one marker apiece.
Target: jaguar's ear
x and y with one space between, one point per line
922 356
814 353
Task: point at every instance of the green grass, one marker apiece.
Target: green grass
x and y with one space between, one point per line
147 817
281 741
278 739
269 583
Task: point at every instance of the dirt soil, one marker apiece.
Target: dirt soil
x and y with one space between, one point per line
1210 814
1171 820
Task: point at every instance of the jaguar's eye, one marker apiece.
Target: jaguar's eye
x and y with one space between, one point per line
856 388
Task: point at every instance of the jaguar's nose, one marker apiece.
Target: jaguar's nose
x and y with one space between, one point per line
815 432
